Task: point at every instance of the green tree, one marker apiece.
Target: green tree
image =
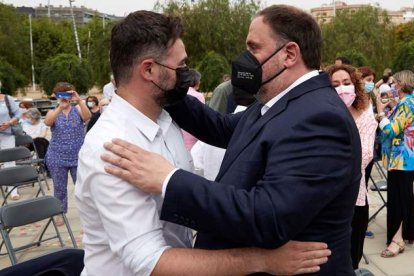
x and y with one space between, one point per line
96 40
14 43
49 40
10 78
213 25
367 31
357 58
66 67
212 66
405 58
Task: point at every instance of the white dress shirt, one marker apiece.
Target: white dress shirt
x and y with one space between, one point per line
122 231
300 80
109 90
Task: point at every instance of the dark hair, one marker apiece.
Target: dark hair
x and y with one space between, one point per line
366 71
93 98
344 60
293 24
142 34
362 99
195 77
63 86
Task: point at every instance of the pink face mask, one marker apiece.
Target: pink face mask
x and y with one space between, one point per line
346 93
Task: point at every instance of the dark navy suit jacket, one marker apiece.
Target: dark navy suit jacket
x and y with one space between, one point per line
291 174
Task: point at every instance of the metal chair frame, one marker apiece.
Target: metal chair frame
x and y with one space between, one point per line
27 212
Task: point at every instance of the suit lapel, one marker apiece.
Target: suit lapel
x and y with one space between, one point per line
250 127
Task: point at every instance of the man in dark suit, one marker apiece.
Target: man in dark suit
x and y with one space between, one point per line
293 162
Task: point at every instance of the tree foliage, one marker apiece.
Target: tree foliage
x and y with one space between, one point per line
215 33
66 68
14 56
357 58
367 32
212 27
214 66
95 36
405 58
10 77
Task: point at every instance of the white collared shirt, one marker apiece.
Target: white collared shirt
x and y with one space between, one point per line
300 80
122 231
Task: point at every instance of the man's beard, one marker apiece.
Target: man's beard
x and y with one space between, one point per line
160 95
270 89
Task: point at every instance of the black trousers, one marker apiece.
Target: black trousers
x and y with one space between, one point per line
359 227
400 204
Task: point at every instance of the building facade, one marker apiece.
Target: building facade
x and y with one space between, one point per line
326 13
82 14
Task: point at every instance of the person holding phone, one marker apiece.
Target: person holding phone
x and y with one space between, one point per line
397 136
67 126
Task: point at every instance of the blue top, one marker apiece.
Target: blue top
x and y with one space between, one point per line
67 139
4 113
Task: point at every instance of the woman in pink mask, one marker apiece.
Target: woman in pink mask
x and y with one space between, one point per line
348 83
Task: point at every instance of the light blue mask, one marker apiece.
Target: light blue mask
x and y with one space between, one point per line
369 86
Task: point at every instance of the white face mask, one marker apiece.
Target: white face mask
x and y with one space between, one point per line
91 104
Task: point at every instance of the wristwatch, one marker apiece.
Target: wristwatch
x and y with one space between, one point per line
381 115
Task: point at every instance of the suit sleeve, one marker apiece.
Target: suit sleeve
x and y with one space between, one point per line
203 122
307 167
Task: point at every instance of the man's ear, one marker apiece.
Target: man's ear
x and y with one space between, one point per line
146 69
293 54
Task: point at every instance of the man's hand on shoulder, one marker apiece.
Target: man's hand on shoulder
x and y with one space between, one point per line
143 169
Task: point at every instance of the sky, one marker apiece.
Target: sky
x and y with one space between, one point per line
123 7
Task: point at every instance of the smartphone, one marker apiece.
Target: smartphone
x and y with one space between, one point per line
63 95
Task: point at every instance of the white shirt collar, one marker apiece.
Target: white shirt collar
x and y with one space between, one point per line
137 119
300 80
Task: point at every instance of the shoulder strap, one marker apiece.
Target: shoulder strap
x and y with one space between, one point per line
6 99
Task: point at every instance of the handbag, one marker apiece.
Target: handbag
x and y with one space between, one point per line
16 129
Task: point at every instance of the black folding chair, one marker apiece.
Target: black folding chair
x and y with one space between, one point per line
29 211
28 142
376 187
18 175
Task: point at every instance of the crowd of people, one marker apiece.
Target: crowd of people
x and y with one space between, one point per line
272 173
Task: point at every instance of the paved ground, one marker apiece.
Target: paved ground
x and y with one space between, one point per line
401 265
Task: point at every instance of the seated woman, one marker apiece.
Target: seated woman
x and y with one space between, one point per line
35 128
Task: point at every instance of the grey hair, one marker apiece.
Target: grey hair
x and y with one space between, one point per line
33 113
195 77
405 78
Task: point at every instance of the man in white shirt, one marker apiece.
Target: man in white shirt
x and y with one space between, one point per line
123 234
109 89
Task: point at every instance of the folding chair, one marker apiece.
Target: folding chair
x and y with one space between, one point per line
26 140
27 212
376 187
18 175
64 262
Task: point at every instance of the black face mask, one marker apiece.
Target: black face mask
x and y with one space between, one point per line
246 72
182 83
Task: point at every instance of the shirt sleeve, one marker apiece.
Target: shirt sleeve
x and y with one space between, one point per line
129 216
15 110
402 119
